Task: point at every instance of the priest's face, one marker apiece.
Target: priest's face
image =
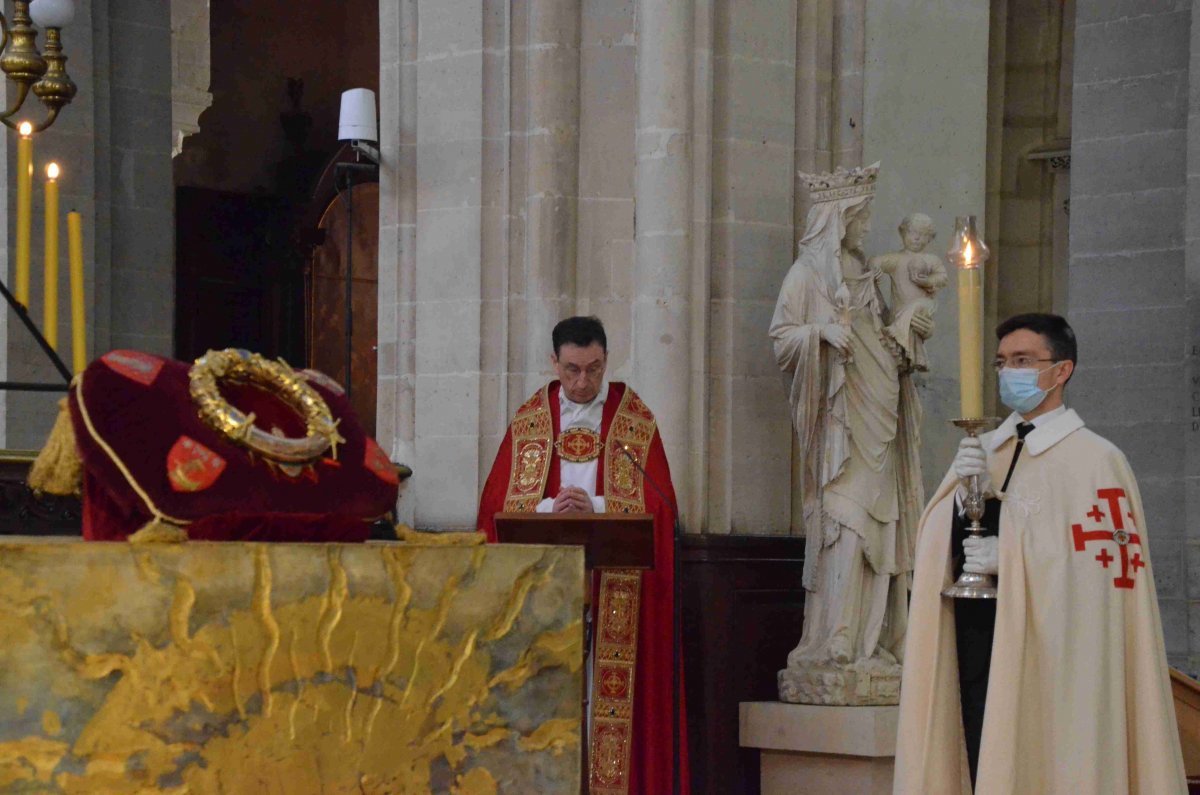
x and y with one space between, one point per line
1027 348
581 370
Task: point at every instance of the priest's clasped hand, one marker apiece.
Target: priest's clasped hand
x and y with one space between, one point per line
982 555
572 499
971 460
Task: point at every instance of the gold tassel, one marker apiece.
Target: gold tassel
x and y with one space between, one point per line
58 469
158 531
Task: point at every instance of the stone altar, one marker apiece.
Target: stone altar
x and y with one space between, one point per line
236 667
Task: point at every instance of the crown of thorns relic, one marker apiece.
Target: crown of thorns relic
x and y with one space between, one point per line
841 183
276 378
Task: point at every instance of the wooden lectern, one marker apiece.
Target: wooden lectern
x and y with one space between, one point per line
609 541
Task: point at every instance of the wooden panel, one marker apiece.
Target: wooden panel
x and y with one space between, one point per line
611 540
1187 714
327 298
743 607
24 513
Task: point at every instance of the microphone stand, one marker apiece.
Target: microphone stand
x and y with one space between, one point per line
676 629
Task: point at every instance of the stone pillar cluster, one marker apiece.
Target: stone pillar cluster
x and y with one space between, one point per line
637 161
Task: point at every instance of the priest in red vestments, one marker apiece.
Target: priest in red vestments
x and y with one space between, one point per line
569 449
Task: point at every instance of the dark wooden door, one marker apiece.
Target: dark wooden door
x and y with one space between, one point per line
327 296
239 275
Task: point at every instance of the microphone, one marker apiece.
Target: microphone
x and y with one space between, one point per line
676 634
662 494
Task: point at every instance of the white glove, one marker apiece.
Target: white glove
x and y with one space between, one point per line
982 554
972 460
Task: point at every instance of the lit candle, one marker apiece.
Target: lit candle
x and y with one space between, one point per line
24 210
968 253
75 260
50 309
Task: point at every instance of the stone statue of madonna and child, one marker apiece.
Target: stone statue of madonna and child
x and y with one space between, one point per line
848 358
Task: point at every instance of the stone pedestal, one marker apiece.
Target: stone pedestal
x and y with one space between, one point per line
819 750
864 683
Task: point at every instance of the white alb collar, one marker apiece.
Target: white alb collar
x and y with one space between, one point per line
566 403
1048 430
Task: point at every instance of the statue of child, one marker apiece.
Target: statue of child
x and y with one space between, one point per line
916 279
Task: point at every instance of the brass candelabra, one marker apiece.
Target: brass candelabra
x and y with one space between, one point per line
970 585
44 74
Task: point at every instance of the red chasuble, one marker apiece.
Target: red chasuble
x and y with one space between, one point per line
526 471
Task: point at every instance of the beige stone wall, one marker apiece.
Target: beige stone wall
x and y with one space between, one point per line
925 119
547 157
1134 272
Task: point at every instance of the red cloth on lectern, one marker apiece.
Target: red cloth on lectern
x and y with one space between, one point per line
145 449
651 769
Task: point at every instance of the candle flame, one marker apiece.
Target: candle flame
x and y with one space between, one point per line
25 129
968 253
52 171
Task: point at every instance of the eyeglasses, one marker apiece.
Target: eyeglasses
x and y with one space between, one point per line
1019 362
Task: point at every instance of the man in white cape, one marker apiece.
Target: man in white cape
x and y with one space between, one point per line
1078 698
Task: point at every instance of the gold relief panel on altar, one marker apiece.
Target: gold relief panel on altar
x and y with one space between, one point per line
231 668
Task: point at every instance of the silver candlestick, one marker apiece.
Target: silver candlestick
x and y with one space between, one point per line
970 585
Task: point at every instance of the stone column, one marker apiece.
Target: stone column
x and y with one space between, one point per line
449 136
700 478
1130 298
754 142
1191 499
608 116
551 61
395 414
661 334
849 48
114 144
495 408
191 74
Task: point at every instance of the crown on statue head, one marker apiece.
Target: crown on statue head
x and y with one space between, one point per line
841 184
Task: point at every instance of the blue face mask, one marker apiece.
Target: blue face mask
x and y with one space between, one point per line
1019 389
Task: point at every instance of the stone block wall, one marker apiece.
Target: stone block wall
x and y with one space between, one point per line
1132 282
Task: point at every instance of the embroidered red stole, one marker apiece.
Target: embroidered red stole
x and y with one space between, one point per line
619 605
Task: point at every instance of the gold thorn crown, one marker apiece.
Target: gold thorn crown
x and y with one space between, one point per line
841 183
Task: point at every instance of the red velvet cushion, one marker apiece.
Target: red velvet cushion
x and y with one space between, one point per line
143 444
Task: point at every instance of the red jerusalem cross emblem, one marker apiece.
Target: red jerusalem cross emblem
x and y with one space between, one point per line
1109 517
